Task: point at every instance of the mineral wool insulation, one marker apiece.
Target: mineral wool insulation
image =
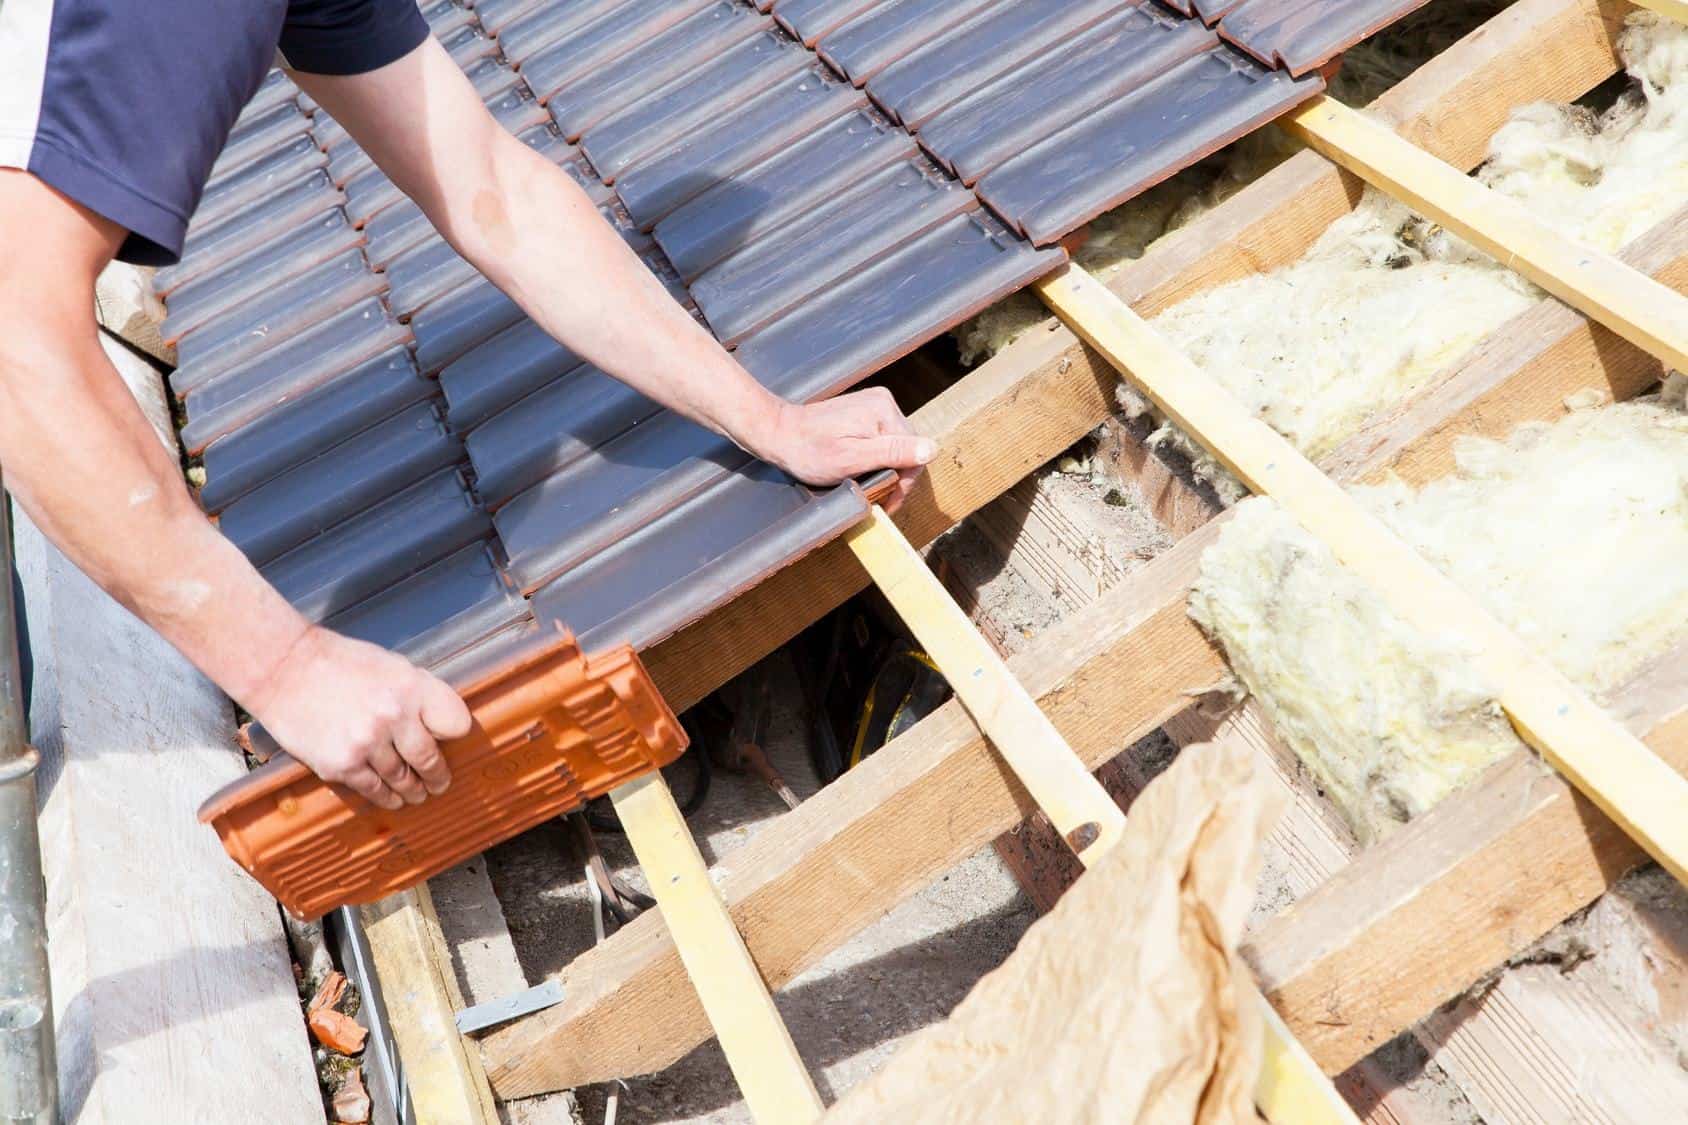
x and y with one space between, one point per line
1127 232
1574 535
1385 300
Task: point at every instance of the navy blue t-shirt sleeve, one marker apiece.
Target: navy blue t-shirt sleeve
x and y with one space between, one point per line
124 107
349 36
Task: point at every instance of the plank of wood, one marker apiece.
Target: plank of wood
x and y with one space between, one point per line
1106 678
1553 1048
419 986
172 990
1613 768
1530 1047
999 705
1471 883
1047 390
754 1038
1622 298
483 956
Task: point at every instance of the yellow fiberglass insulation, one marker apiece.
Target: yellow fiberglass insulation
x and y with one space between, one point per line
1126 233
1385 300
1574 535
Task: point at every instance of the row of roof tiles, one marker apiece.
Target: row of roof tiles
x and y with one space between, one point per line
826 183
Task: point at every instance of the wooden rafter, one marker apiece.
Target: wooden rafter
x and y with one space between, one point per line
1612 767
816 876
1291 1088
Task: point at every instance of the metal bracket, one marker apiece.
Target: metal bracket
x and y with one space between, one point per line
503 1010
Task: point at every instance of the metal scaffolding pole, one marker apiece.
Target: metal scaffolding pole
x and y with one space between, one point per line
28 1066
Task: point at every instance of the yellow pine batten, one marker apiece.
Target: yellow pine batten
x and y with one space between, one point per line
1612 767
754 1038
1291 1088
1641 310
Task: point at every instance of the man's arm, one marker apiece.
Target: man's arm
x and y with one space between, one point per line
83 461
534 233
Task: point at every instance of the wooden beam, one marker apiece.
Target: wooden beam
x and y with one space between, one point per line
754 1038
1532 1045
1472 882
999 705
1047 390
419 987
811 879
1624 299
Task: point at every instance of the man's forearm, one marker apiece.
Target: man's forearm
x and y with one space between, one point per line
536 235
83 461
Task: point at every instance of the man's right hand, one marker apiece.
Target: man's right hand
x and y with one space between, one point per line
361 716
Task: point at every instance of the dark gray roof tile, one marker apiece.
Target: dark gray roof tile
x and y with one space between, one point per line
338 484
391 541
1303 35
569 516
579 100
696 557
883 312
439 613
697 101
492 375
747 290
278 314
784 186
309 424
276 220
1138 140
1014 112
986 46
234 398
551 429
766 124
286 164
882 35
216 291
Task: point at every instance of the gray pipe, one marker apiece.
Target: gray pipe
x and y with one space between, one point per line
29 1087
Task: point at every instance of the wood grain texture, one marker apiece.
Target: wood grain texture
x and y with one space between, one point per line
1532 1046
173 994
419 987
759 1050
1474 881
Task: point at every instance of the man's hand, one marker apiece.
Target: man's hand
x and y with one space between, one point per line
359 715
827 442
